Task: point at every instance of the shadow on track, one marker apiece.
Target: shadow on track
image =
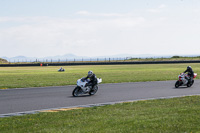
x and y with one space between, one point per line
182 87
79 96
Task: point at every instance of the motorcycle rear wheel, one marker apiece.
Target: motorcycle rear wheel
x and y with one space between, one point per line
94 90
190 84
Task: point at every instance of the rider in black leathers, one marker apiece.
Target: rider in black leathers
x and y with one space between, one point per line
190 73
93 79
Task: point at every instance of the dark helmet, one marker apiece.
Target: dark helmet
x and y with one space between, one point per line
90 73
189 67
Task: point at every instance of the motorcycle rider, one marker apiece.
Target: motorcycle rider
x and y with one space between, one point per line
93 79
190 73
61 69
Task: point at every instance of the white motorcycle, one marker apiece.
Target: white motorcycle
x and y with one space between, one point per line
81 89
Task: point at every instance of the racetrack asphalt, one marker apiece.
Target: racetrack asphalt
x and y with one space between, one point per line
28 99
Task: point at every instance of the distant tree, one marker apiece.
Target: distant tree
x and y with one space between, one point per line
176 56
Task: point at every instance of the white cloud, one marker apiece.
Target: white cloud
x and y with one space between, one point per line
86 13
23 19
60 36
83 13
196 10
162 6
95 34
157 9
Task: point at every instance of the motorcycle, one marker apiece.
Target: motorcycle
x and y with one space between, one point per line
82 89
61 70
184 80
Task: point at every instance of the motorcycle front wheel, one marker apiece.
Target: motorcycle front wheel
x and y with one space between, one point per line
177 84
94 90
77 91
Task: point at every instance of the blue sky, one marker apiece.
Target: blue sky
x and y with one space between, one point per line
40 28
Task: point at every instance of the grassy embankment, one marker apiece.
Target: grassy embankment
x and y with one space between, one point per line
175 115
20 77
173 58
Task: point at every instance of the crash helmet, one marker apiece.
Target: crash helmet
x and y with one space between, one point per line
90 73
189 67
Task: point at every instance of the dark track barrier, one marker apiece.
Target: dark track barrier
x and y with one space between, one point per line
98 63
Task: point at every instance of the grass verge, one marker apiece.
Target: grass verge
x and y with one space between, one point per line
21 77
163 115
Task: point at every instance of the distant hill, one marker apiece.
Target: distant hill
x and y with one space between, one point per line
3 60
72 57
69 57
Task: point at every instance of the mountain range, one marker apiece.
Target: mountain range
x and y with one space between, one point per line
71 57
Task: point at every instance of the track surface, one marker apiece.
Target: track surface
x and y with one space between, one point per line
28 99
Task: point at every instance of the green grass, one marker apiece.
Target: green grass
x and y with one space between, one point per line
174 58
174 115
20 77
